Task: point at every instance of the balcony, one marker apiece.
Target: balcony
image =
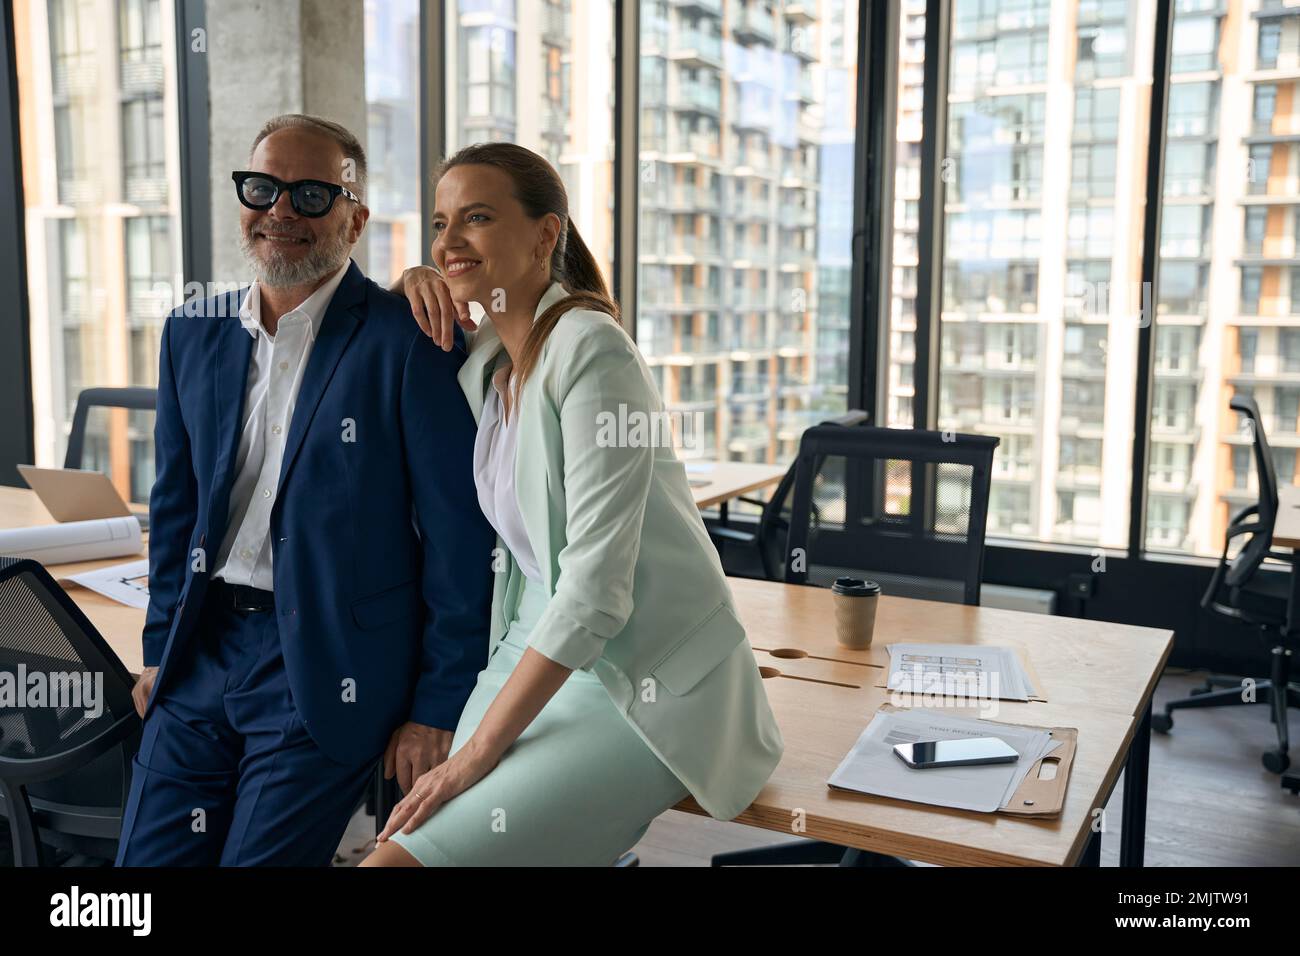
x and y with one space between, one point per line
145 190
692 199
750 388
801 13
799 175
751 24
693 393
696 48
1079 476
682 298
798 340
752 162
142 76
555 25
752 207
693 147
690 247
798 260
74 75
751 252
711 7
800 42
792 423
695 97
749 300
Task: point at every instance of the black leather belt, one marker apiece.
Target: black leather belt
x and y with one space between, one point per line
240 597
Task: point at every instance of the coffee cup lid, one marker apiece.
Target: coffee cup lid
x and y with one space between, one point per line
855 587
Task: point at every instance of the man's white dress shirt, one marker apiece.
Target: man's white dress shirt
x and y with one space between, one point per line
275 372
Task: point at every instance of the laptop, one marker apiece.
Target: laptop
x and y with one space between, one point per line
71 494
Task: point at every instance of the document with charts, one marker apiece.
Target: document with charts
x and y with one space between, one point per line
125 583
959 670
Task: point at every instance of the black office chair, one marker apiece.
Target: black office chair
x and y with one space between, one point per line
135 398
64 775
1239 592
907 509
768 538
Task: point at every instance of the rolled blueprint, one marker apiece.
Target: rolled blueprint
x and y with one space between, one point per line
74 540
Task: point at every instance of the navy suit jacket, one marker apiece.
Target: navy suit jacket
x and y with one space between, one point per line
381 556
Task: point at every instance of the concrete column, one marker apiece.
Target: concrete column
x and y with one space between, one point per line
267 57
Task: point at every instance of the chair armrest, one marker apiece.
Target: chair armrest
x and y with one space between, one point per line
31 771
732 534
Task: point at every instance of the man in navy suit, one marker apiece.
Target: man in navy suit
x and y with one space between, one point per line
319 570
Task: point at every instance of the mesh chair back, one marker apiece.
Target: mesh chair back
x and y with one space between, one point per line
903 507
1252 554
774 526
66 706
136 399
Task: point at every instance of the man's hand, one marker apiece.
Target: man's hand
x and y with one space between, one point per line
413 751
142 689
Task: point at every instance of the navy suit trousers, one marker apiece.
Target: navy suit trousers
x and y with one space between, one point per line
227 773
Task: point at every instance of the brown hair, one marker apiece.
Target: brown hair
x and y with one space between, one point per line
540 190
351 146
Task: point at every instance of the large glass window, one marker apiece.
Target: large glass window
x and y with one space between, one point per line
96 85
1229 298
1042 255
907 196
745 218
540 73
393 125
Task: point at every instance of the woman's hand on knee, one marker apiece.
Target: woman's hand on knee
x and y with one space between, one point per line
466 767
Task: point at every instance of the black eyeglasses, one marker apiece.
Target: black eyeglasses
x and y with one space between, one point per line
310 197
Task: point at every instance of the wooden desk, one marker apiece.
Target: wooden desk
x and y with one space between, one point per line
730 479
1097 677
120 625
1286 529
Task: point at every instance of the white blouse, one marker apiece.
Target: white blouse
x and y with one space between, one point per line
494 477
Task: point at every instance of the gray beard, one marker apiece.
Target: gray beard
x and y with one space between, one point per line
324 257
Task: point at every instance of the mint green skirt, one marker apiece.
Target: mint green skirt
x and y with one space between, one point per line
578 788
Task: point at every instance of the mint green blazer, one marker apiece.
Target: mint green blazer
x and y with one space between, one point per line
638 595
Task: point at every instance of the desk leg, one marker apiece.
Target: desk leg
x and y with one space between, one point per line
1092 850
1293 597
386 798
1134 826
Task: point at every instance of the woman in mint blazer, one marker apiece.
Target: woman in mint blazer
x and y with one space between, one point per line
620 679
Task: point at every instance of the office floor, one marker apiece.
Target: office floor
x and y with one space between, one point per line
1210 803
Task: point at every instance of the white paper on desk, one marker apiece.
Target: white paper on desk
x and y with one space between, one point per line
125 583
699 467
873 767
959 670
74 540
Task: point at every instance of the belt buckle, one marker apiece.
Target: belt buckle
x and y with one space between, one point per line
242 606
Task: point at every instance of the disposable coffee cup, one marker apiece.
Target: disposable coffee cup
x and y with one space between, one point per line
855 611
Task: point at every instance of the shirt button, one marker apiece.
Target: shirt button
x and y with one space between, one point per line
275 429
245 554
266 492
283 366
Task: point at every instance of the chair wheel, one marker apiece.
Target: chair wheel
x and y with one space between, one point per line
1292 785
1162 723
1276 762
